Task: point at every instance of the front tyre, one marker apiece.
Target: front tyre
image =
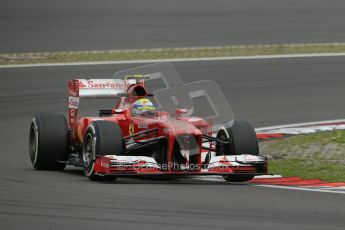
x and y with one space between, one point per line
101 138
242 141
238 178
48 141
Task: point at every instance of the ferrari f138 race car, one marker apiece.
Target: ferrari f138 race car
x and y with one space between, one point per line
176 130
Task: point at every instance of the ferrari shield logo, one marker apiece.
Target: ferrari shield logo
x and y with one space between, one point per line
131 129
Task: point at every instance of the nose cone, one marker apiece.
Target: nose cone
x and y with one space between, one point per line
178 127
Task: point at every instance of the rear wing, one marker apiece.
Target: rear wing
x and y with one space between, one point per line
93 88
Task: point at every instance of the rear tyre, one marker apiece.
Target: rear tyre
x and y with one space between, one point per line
243 141
48 141
101 138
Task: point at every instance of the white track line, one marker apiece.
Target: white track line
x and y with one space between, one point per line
175 60
300 124
301 189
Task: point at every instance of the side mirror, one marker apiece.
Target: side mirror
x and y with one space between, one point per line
179 112
117 111
105 112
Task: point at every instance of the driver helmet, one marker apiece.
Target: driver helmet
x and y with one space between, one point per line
143 107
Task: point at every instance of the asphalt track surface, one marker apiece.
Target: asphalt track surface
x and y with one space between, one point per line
65 25
266 92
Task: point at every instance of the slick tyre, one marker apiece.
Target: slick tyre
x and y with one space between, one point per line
48 141
243 141
238 178
101 138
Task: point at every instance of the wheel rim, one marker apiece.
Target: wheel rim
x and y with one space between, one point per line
88 151
220 148
33 144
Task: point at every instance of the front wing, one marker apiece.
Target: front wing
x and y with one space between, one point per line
218 165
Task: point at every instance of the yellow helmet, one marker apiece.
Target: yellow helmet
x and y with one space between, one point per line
143 107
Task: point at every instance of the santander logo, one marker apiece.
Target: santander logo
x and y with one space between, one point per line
81 85
102 84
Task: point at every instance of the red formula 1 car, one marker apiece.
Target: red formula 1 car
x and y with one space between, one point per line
137 138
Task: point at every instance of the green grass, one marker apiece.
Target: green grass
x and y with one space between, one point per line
168 53
319 155
308 170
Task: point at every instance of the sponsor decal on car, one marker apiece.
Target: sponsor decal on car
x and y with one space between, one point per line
105 164
102 84
73 102
131 129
